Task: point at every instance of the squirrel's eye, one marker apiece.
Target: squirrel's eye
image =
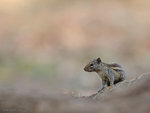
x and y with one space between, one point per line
91 65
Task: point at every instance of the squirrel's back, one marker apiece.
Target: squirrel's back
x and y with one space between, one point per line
116 67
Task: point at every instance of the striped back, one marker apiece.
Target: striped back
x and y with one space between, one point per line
115 67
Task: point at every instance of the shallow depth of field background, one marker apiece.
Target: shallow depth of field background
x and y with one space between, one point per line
44 44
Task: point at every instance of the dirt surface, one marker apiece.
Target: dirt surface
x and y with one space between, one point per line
130 96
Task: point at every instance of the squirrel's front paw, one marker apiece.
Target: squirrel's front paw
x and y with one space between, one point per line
109 87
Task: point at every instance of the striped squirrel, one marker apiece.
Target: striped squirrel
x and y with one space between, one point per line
109 73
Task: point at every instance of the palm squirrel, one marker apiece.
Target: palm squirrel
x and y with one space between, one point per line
109 73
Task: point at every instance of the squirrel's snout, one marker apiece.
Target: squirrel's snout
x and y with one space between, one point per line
85 69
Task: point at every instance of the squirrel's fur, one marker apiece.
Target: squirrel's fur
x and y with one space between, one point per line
109 73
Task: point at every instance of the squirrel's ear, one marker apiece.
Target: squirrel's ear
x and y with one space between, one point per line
98 60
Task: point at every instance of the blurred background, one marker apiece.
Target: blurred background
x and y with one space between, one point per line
44 44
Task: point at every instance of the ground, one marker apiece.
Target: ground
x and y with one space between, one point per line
128 96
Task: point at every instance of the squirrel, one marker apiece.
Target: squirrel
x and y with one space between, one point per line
110 74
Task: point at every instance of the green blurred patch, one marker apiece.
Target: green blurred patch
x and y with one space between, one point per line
11 69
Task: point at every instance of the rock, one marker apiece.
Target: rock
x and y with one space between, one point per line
126 97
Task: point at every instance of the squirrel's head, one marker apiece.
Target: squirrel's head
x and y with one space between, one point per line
93 65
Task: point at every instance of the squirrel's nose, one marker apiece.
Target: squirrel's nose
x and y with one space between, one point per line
85 69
